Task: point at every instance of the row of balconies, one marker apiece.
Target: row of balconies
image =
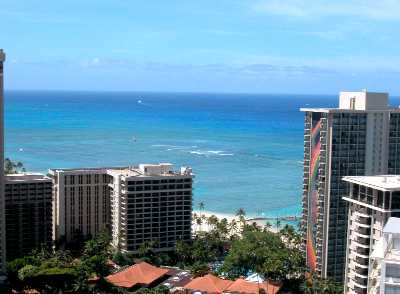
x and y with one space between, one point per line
157 209
147 232
360 220
362 231
157 188
363 241
150 201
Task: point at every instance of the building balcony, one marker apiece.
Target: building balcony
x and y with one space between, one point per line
360 262
393 281
361 271
362 213
355 282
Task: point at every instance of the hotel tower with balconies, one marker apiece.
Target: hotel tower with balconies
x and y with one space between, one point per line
151 203
360 137
148 203
372 200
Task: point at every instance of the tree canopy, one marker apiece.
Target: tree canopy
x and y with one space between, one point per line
263 252
11 167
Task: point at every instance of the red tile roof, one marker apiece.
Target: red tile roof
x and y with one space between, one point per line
209 284
243 286
138 274
213 284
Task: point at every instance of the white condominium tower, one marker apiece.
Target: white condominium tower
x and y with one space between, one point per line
360 137
372 200
384 268
2 215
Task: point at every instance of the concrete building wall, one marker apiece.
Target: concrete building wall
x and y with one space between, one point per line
394 144
2 216
28 212
363 100
377 141
81 204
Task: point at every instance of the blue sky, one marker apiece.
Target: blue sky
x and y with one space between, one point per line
268 46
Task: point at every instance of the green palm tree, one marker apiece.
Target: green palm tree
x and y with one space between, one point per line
233 226
199 222
240 212
212 221
201 205
278 223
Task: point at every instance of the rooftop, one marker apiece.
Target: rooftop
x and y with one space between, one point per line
209 283
212 284
148 170
381 182
243 286
142 170
392 226
138 274
360 101
25 177
177 278
87 169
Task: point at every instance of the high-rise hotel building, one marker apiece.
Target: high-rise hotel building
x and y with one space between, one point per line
372 201
384 266
151 203
28 211
2 216
81 203
147 203
360 137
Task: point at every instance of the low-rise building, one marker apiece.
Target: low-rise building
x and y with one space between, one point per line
28 213
138 276
384 271
213 284
371 202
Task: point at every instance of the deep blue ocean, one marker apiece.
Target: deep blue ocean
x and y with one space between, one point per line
246 150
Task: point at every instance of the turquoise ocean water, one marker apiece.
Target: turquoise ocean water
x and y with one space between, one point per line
246 150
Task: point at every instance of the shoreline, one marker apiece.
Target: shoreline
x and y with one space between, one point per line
230 216
260 221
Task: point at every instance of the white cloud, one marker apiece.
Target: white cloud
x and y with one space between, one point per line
365 9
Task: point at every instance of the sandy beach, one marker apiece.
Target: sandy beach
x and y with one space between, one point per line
229 217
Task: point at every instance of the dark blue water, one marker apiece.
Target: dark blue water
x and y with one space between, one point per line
246 150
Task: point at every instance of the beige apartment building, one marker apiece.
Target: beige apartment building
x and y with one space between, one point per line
28 212
81 203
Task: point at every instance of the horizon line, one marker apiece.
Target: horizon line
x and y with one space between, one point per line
176 92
